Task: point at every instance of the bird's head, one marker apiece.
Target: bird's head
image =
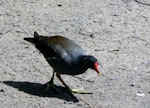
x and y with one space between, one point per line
92 63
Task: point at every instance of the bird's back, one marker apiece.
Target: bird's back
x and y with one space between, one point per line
60 52
62 43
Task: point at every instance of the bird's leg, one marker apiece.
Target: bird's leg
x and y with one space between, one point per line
67 87
50 83
80 91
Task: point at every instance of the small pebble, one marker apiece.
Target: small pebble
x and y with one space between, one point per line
59 5
132 85
1 90
44 5
135 68
92 36
140 94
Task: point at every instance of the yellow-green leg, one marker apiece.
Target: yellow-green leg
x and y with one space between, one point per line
80 91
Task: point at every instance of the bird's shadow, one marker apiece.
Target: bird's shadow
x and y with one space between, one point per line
37 89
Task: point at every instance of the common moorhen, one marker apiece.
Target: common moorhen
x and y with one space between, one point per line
65 56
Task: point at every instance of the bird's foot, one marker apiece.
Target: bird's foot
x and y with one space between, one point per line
49 86
80 91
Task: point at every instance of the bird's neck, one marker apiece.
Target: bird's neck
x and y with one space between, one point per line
83 62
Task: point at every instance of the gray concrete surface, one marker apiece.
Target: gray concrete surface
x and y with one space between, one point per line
117 32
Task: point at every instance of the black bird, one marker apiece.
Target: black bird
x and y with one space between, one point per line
65 56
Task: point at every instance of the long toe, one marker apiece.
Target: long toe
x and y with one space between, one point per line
80 91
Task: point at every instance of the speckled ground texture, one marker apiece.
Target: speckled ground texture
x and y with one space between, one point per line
116 32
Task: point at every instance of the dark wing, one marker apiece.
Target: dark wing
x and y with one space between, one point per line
53 50
59 54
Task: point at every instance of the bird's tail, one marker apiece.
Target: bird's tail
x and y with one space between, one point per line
36 36
33 40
